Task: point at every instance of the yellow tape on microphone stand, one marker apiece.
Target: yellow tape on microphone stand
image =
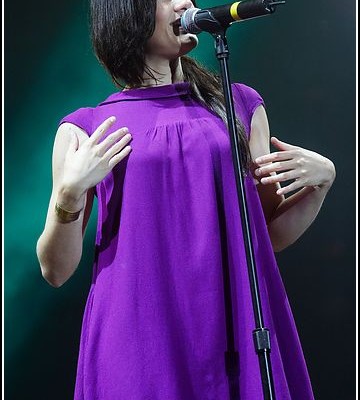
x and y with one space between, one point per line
233 11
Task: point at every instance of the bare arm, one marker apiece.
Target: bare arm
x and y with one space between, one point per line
79 163
312 176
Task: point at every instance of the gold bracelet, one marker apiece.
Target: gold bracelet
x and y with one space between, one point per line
66 216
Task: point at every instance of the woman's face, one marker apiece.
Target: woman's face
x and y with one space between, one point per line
168 40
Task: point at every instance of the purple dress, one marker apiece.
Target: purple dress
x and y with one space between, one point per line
168 223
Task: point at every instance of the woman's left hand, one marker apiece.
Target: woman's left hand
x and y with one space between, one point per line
303 167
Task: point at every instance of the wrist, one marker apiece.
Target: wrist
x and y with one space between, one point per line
70 199
65 216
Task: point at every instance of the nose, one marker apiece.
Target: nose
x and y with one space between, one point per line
182 5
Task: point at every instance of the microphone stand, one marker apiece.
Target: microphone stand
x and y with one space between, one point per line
261 334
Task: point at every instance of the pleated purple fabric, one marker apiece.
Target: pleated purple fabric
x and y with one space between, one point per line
154 326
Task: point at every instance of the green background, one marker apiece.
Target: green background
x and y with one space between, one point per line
302 61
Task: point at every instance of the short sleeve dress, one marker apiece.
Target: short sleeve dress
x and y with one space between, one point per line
154 326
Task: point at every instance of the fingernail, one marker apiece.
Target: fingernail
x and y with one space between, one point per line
112 119
257 172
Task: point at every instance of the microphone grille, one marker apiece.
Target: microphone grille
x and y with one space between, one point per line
188 21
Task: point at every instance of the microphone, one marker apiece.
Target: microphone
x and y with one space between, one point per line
218 18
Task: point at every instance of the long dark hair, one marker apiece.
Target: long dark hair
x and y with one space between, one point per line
120 30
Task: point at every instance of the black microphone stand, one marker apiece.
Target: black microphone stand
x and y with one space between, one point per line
261 334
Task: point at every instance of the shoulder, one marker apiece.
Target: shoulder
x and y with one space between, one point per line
247 96
84 117
67 129
246 101
81 118
65 135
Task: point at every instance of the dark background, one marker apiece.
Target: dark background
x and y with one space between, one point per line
301 60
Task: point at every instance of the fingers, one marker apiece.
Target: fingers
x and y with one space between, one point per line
279 144
119 156
296 182
111 148
287 152
279 166
297 178
285 176
269 168
114 149
101 129
289 188
276 156
111 140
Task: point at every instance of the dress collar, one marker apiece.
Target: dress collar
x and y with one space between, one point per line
152 92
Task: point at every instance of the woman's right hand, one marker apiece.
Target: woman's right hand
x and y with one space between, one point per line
87 162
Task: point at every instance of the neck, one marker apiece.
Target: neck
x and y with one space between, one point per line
164 72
